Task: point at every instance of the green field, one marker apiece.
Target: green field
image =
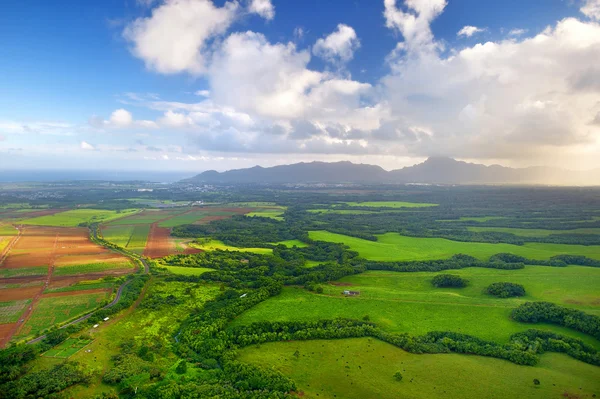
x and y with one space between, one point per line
292 243
148 216
394 247
185 218
532 232
75 217
342 211
132 237
11 311
211 245
99 267
4 242
8 230
407 302
118 235
361 368
51 311
23 271
67 348
274 212
390 204
82 286
187 271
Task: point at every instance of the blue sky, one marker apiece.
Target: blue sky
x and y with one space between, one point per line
117 84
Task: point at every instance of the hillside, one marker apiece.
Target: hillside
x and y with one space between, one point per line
435 170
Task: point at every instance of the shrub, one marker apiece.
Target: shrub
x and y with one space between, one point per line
505 290
449 280
398 376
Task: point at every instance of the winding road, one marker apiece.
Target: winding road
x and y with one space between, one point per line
114 301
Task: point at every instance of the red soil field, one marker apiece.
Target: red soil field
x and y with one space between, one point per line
159 242
6 333
15 294
26 260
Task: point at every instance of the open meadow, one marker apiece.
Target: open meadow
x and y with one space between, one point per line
407 302
361 368
395 247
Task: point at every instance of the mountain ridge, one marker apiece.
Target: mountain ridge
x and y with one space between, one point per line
435 170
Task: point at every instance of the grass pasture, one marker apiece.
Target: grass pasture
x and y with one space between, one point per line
532 232
390 204
56 310
93 267
7 230
132 237
292 243
395 247
75 217
212 245
185 218
148 216
67 348
407 302
11 311
273 212
361 368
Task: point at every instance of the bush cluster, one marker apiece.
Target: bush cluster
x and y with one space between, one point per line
505 290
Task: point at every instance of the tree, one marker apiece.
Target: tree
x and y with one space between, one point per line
536 381
181 367
448 281
398 376
297 354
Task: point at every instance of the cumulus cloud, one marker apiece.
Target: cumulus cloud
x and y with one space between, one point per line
591 8
339 46
468 31
174 38
121 119
414 23
86 146
492 100
264 8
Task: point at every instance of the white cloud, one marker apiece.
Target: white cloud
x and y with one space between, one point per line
264 8
338 46
469 31
174 39
414 23
120 118
494 97
299 33
517 32
591 8
2 138
86 146
203 93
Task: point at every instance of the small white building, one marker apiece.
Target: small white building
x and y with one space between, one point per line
106 318
96 325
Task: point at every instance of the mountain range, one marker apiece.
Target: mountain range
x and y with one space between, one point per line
435 170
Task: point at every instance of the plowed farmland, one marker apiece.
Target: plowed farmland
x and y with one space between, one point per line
42 257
